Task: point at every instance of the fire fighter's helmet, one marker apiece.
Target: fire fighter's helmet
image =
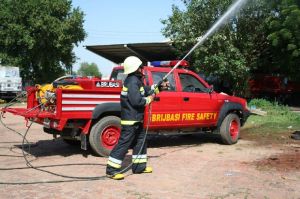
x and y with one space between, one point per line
131 64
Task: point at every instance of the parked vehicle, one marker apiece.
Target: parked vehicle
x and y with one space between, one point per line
88 109
10 82
275 87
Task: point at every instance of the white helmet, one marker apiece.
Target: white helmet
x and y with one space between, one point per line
131 64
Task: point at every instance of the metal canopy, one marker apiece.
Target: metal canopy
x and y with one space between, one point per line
145 51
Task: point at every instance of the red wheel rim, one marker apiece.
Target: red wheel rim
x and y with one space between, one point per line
110 136
234 129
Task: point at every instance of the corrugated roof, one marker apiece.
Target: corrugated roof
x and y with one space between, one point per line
145 51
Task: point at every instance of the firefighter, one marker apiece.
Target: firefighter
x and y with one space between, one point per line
133 101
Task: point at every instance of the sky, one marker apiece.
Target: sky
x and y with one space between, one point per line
120 22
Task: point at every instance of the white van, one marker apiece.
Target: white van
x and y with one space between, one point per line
10 82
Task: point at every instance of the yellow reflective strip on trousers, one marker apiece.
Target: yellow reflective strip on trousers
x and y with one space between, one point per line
137 161
114 165
128 122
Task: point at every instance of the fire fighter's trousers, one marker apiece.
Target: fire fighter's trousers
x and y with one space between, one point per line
131 135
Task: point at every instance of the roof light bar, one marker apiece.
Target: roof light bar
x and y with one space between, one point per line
169 63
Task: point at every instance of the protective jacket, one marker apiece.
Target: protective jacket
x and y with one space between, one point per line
133 99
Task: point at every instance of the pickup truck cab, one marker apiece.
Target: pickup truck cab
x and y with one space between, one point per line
189 105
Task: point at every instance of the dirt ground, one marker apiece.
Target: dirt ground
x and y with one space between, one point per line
196 166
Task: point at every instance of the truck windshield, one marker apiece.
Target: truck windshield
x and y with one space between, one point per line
118 75
9 72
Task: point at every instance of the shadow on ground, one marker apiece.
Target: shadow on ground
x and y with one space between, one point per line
158 141
54 147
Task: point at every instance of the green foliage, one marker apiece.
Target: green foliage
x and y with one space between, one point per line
39 36
284 28
87 69
278 119
224 60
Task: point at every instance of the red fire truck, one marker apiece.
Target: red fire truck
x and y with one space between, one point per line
87 110
276 87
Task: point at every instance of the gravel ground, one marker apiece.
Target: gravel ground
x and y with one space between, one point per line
184 167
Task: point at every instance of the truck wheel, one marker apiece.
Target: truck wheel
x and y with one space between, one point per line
105 134
230 129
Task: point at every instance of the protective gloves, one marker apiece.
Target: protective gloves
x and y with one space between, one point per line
148 99
154 89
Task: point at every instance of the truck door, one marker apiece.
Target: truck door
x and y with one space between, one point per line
166 107
199 107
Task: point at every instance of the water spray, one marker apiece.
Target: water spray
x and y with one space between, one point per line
232 10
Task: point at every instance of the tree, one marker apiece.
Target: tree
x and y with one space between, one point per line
284 36
39 36
237 49
87 69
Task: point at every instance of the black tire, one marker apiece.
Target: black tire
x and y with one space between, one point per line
230 129
105 134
